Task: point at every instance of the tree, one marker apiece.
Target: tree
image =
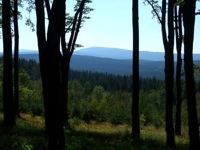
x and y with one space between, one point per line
169 61
179 39
16 59
51 64
70 25
135 98
8 103
188 22
169 77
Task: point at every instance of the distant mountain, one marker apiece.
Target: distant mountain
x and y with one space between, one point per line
25 51
147 68
104 52
116 53
113 53
113 61
116 66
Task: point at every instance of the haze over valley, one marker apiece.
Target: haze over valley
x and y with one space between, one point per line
113 61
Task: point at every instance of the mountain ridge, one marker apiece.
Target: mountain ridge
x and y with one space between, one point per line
114 53
151 63
117 53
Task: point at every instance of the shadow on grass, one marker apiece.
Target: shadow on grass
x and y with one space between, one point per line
28 136
23 136
87 140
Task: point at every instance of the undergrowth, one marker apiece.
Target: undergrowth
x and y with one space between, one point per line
29 135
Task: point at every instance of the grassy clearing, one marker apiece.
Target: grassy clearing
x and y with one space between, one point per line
29 135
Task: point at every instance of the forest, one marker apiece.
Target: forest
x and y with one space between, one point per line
46 105
95 97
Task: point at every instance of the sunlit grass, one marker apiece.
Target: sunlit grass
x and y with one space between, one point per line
119 136
29 135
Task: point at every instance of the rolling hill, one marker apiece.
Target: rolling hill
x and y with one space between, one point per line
113 61
116 53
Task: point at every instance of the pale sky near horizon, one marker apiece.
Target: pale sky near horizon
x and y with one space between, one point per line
111 26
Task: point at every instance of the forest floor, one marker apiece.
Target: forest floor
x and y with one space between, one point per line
29 135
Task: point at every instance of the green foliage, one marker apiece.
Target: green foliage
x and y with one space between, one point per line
97 97
97 93
179 3
30 102
152 106
29 135
197 71
24 78
97 105
93 101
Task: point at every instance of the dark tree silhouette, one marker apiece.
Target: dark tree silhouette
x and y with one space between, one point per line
67 51
168 44
8 103
54 65
41 36
188 22
135 97
16 58
179 39
50 73
169 77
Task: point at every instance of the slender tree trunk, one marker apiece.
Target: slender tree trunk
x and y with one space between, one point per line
179 38
64 60
16 58
66 56
135 97
50 72
41 36
8 103
54 103
189 21
169 78
169 64
64 75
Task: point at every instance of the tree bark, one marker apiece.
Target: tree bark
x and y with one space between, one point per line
179 38
169 78
8 103
42 52
16 58
135 97
50 72
189 21
65 57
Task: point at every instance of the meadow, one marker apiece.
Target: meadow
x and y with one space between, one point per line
29 135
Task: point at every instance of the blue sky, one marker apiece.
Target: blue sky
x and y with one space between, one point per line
111 26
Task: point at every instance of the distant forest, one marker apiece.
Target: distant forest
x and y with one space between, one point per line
97 96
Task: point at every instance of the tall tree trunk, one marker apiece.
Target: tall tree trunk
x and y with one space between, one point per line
8 103
54 103
189 21
41 36
64 75
179 38
16 57
51 74
135 97
169 78
169 64
65 58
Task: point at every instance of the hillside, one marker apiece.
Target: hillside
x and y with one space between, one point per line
116 53
114 66
113 61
